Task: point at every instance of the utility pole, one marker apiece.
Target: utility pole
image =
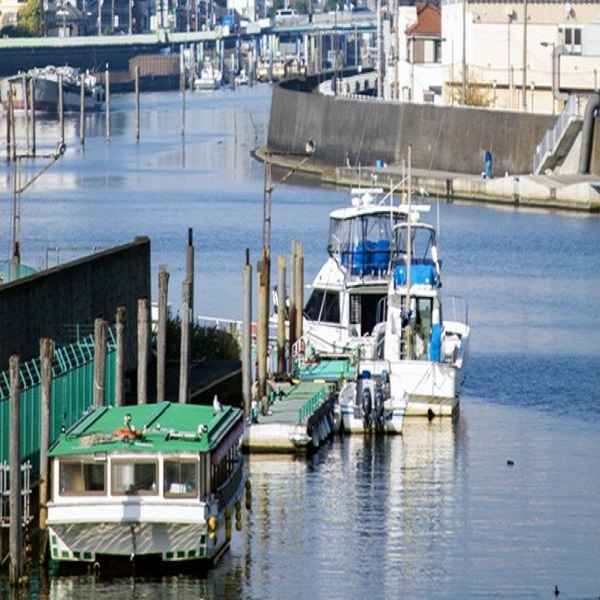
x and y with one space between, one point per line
525 56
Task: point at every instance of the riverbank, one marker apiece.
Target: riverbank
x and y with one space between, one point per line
576 193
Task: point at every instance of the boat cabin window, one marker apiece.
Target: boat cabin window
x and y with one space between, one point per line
181 478
420 328
134 477
362 244
221 472
323 306
367 310
78 477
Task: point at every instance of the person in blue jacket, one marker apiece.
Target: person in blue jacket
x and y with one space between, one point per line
488 174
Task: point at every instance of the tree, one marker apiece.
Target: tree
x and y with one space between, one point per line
30 18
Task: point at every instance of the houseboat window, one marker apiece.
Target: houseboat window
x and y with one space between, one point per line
221 472
134 477
82 477
323 306
181 478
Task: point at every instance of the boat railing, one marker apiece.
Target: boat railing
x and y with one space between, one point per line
456 309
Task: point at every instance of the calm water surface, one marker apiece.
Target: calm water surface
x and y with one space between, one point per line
437 512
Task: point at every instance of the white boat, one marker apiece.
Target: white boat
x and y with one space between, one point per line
377 300
210 77
46 90
242 78
146 483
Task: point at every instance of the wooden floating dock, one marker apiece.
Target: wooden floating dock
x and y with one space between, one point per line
299 416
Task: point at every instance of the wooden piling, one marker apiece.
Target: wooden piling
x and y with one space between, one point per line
281 316
33 121
61 109
107 101
100 334
82 110
143 344
8 124
137 103
46 357
25 108
247 337
262 333
292 309
299 282
184 364
161 342
15 508
120 359
189 269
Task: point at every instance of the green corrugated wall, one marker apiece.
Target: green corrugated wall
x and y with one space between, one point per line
71 394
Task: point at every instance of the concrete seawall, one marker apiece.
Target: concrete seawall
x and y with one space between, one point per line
448 147
51 303
442 138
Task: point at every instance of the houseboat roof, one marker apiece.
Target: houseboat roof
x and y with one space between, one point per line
152 428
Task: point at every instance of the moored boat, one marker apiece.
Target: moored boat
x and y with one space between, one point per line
45 83
210 78
377 299
154 482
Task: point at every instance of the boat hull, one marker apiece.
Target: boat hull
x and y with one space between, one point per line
47 95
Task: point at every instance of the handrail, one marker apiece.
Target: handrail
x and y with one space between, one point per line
552 136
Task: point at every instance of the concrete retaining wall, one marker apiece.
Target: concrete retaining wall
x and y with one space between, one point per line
442 138
51 303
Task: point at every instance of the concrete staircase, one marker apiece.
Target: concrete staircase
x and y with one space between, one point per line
557 142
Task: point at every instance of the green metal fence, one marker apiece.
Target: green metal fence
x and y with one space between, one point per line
71 394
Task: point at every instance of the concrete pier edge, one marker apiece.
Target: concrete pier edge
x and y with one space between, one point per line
573 193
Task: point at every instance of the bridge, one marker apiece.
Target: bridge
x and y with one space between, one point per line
94 52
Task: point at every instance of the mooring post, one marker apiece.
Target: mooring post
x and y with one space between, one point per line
247 337
46 357
107 101
61 109
100 331
32 96
82 110
9 113
161 340
137 103
120 359
184 365
143 341
281 315
262 332
15 508
299 281
292 309
189 270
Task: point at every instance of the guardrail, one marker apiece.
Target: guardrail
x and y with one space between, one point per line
552 136
310 405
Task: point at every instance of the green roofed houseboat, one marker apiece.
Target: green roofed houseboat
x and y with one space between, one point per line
154 481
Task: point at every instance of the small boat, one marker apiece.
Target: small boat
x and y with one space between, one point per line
377 300
210 77
154 483
242 78
46 90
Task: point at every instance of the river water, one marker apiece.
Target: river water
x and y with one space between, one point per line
502 503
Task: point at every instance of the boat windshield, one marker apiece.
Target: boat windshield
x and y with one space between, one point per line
362 243
423 248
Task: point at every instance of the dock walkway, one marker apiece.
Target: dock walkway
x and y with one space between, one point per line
299 416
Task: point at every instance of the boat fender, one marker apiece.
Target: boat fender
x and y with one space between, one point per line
366 402
379 401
